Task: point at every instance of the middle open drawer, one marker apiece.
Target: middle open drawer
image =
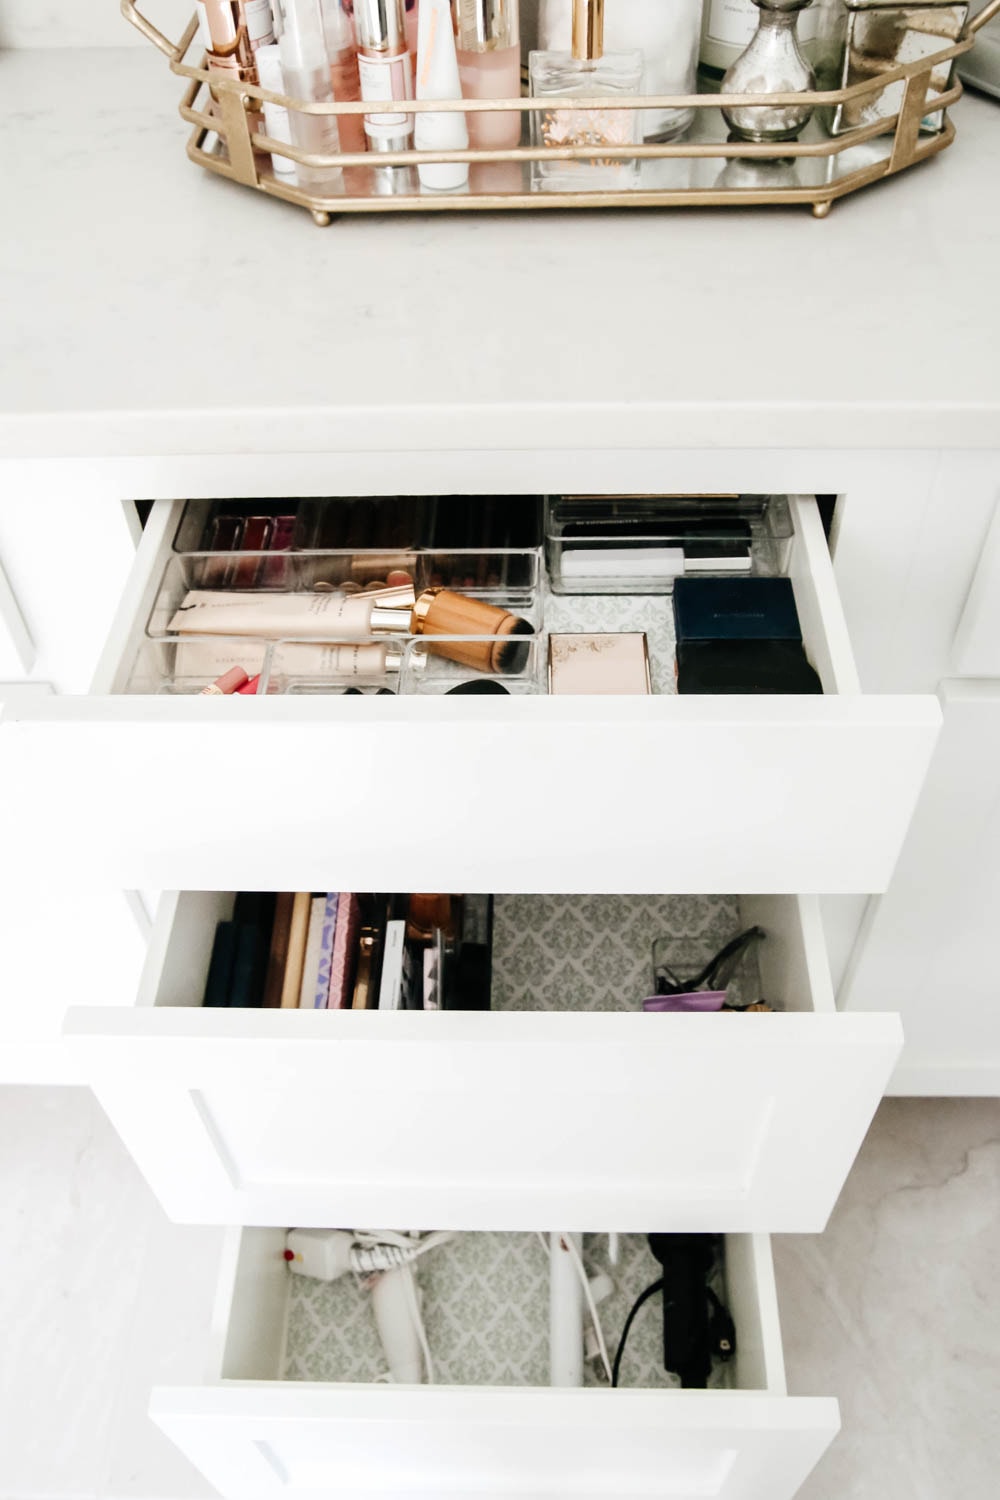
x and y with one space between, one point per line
563 1103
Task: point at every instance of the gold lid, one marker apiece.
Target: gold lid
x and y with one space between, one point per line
391 610
588 30
422 609
485 25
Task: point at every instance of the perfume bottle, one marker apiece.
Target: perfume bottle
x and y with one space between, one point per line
772 64
489 66
589 73
667 33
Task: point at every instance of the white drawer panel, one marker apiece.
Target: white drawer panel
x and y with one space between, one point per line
256 1436
498 1119
538 793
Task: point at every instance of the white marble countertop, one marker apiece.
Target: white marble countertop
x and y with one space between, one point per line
150 308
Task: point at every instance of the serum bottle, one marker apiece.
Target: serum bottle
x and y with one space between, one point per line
489 65
386 70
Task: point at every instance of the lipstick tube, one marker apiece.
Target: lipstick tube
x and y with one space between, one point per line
440 612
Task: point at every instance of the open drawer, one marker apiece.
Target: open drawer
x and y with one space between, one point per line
754 793
290 1407
564 1102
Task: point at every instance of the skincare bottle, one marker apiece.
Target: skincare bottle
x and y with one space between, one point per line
338 32
412 20
276 121
589 72
235 30
489 65
306 73
437 78
386 70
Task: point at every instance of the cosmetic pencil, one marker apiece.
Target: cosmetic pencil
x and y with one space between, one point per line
297 935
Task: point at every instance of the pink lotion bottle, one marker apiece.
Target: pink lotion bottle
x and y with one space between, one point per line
489 65
338 32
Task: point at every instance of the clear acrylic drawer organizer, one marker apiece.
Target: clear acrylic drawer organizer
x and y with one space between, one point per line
703 170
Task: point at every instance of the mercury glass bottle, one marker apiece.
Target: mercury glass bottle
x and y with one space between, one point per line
772 64
588 72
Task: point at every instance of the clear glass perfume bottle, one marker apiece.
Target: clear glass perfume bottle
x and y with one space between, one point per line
588 73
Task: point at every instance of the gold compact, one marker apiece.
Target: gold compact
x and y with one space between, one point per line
605 665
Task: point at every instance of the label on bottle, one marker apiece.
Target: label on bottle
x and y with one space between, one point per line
386 78
733 22
260 24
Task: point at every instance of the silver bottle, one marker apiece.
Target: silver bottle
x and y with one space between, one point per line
772 64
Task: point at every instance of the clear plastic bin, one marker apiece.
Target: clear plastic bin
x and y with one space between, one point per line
638 544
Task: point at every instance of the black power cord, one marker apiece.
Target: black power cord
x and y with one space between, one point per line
697 1326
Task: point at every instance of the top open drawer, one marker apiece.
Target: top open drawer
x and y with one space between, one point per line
519 793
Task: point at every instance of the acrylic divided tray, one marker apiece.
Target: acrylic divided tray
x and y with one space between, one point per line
303 786
705 167
290 1404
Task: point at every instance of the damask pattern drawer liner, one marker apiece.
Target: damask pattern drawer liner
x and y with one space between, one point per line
485 1305
595 952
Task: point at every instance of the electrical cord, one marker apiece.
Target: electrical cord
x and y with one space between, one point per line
385 1250
591 1304
640 1301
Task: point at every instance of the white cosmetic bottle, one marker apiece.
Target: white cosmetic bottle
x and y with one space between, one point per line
306 71
437 78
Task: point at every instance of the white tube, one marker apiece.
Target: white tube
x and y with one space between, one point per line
276 119
437 78
565 1313
303 616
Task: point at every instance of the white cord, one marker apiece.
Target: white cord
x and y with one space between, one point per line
387 1250
595 1318
419 1324
581 1271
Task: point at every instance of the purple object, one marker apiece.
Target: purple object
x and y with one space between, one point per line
698 1000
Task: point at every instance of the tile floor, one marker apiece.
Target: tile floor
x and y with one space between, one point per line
895 1309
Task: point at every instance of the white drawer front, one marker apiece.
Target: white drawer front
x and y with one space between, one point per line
493 1119
540 793
256 1436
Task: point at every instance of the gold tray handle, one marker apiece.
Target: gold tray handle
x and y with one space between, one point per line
131 13
986 14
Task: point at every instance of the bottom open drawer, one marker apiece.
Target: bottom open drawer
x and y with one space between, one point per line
293 1405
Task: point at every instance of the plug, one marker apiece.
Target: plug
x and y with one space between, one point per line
322 1253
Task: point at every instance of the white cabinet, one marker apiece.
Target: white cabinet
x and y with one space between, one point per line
503 1119
256 1435
928 945
810 794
